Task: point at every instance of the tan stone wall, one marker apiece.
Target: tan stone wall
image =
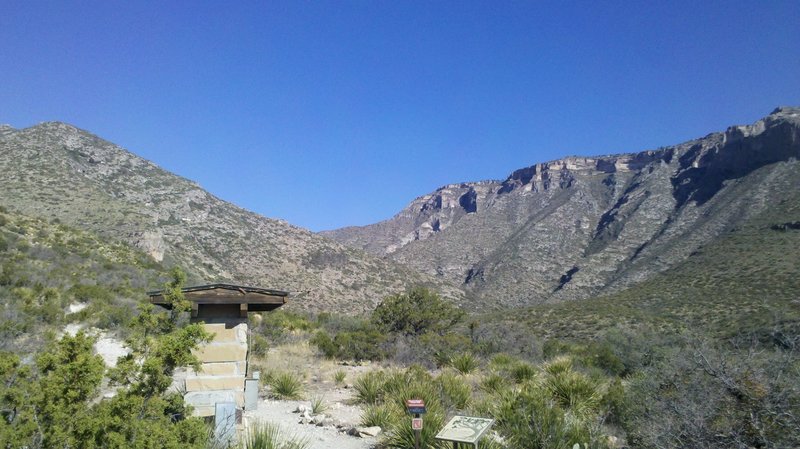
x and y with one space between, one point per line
222 370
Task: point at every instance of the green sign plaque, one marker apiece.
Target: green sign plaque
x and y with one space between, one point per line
465 429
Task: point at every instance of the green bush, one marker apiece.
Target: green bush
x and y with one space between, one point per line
522 372
259 346
266 435
379 415
416 312
285 385
318 405
369 387
339 377
455 391
442 347
362 344
464 363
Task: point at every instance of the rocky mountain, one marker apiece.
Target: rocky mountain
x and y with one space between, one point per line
58 172
584 226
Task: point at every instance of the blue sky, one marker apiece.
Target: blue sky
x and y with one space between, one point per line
329 114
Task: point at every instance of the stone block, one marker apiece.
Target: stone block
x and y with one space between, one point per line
218 369
203 411
210 383
221 352
236 334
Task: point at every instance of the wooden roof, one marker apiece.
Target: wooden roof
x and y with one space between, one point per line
256 299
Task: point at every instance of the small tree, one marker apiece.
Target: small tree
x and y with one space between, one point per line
416 312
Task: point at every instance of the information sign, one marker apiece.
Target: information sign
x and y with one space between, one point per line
465 429
416 423
415 406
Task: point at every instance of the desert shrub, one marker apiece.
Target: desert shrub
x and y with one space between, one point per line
259 346
90 293
379 415
501 361
614 402
522 372
277 326
416 312
442 347
369 387
318 405
285 385
325 344
532 420
558 365
339 377
362 344
494 383
266 435
455 391
464 363
716 395
574 391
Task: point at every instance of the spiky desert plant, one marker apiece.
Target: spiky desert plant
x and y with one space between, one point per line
339 377
464 363
379 415
522 372
267 435
318 405
494 383
369 387
559 365
574 391
455 390
286 385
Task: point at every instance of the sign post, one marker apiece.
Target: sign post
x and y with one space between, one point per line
464 429
416 407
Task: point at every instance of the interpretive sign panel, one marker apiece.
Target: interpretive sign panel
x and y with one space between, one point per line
464 429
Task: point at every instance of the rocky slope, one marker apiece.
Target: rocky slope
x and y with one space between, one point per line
583 226
56 171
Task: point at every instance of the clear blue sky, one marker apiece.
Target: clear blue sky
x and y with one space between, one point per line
339 113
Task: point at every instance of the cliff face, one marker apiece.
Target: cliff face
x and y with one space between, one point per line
56 171
580 226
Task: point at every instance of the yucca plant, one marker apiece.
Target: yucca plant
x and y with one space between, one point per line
380 415
369 387
464 363
522 372
285 386
339 377
501 361
574 391
318 405
455 390
267 435
494 383
559 365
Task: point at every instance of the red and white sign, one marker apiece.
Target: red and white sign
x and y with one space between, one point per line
416 423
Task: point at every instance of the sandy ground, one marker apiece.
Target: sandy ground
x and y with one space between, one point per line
109 348
281 413
319 383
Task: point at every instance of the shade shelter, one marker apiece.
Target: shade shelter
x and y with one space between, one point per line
223 309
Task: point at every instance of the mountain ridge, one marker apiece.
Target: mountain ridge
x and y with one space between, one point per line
579 226
57 171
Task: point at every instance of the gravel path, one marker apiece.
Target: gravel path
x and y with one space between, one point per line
282 413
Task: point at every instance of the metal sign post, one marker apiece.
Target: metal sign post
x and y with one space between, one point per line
416 407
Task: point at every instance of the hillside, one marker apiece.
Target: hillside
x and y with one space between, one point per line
56 171
581 227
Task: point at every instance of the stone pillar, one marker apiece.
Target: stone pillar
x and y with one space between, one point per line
223 361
